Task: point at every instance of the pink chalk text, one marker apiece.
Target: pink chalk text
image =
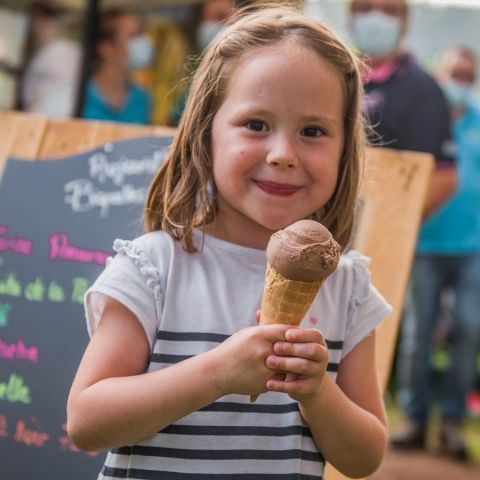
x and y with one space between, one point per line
18 351
18 245
61 249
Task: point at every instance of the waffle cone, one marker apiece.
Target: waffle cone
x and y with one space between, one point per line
284 300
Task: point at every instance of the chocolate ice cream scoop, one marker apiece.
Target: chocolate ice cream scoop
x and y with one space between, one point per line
304 251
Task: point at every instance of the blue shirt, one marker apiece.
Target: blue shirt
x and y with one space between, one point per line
455 228
136 108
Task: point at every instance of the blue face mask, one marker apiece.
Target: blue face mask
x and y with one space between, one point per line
376 34
140 52
458 94
207 31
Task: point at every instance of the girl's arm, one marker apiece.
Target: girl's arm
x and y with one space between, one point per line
113 402
347 419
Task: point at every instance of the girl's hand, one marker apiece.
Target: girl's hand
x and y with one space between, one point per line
304 356
241 359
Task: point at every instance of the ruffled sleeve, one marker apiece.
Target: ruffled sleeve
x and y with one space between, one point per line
367 307
132 279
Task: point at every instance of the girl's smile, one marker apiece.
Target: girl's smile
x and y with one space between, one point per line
277 139
280 189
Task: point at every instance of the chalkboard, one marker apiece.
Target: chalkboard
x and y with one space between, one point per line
58 220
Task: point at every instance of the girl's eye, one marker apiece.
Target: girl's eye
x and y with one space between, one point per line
257 126
313 132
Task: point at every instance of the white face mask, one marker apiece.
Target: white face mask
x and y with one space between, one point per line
207 31
376 34
458 94
140 52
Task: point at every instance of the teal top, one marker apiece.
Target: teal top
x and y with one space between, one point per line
455 228
136 108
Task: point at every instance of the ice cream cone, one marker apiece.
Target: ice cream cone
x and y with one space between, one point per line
299 259
284 300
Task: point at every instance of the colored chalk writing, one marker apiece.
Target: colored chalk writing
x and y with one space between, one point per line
30 435
80 286
14 390
4 309
56 234
18 351
82 196
3 426
35 291
10 286
62 249
18 245
56 292
103 169
38 291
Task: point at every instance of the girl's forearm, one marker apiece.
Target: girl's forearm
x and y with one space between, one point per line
125 410
350 438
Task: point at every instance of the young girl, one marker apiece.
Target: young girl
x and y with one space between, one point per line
271 134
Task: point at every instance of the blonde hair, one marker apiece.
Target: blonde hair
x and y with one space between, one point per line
182 195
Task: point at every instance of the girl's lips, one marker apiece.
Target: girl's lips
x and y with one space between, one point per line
279 189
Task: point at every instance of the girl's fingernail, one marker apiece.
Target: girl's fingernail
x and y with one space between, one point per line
271 361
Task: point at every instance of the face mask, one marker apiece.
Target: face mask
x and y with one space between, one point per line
375 34
140 52
458 94
207 31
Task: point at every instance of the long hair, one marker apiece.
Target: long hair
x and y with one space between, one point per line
182 195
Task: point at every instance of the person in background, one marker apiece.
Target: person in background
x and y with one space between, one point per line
407 110
121 48
213 16
403 103
448 256
49 83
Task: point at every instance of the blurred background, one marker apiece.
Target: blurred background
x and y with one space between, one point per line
175 29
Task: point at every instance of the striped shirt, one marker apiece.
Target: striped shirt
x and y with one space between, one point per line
190 303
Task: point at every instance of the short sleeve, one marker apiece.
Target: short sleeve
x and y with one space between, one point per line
367 306
131 279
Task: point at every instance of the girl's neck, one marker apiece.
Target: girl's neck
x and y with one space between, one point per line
254 237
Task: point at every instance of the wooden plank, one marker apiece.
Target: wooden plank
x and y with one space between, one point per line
391 204
111 132
8 126
74 136
21 136
28 136
67 137
393 198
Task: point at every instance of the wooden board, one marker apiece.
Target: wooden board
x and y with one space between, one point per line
390 207
34 137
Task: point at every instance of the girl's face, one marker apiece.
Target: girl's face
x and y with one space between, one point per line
277 139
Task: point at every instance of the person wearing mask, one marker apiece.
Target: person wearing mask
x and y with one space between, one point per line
121 48
406 110
403 103
49 83
448 256
213 16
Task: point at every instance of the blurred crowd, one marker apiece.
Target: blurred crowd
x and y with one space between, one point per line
407 107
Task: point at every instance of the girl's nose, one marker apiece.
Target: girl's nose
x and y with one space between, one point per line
282 154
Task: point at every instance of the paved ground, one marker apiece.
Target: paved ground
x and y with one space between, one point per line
424 466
